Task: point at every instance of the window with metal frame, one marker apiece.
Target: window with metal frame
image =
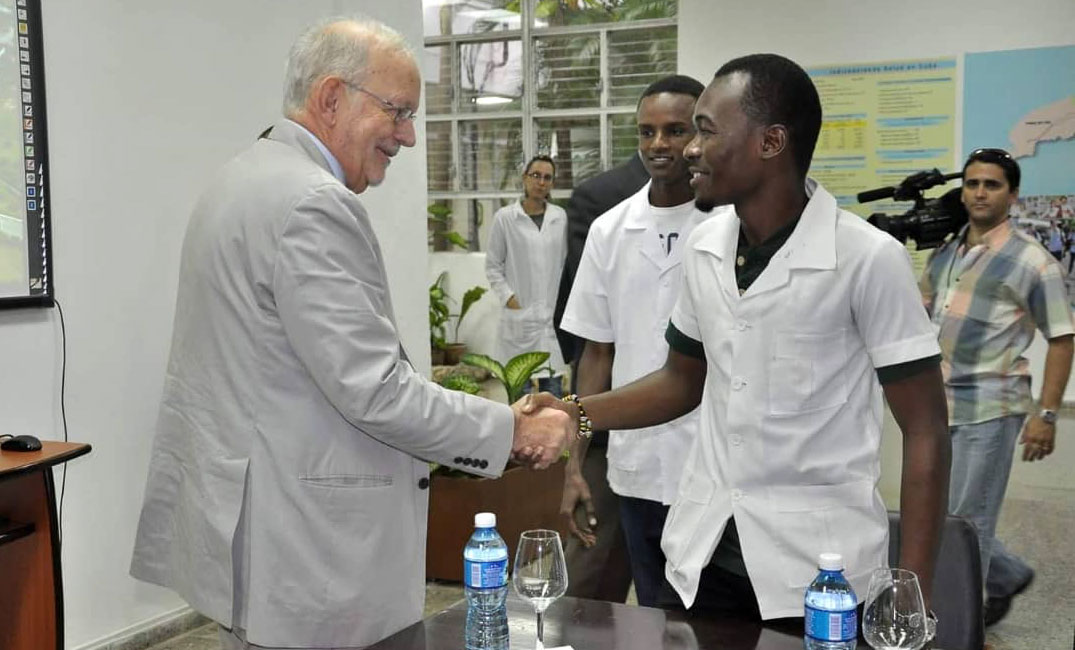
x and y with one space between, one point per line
508 79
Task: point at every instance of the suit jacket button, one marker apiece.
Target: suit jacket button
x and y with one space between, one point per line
458 460
423 483
468 461
484 464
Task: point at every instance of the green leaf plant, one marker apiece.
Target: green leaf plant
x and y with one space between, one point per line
515 375
440 221
473 295
438 312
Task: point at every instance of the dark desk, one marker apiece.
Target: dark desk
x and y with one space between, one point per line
597 625
31 584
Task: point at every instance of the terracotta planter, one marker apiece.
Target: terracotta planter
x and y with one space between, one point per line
522 499
437 356
453 353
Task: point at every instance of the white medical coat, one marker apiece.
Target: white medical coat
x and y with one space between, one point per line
623 293
526 262
791 415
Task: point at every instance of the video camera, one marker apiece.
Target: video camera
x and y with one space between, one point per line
930 221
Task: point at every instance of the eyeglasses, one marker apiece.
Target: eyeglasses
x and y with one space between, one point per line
538 176
399 113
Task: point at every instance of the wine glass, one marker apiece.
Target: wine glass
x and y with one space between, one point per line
540 573
894 616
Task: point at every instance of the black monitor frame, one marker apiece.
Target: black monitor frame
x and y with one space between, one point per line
31 92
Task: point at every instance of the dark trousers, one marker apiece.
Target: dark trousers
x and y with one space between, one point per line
722 594
643 523
603 571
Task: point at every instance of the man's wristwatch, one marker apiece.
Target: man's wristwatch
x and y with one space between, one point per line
1048 416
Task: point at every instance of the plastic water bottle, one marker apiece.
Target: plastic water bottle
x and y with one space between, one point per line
485 581
831 618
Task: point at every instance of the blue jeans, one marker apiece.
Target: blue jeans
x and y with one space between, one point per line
981 463
643 523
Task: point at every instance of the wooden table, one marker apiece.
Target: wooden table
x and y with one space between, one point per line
31 584
598 625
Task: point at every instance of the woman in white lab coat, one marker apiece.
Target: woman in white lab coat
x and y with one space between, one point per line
524 258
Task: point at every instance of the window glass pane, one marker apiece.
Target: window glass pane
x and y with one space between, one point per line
444 17
568 71
480 218
437 74
491 154
439 221
470 219
490 76
439 155
637 58
623 135
574 143
553 13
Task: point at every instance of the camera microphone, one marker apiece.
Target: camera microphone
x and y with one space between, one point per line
876 195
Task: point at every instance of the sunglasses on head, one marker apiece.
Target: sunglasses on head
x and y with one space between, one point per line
989 155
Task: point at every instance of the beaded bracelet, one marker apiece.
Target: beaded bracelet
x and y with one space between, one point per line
585 426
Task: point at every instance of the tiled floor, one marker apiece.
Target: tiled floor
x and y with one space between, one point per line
439 596
1037 522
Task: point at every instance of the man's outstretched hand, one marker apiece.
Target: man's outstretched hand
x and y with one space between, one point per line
543 429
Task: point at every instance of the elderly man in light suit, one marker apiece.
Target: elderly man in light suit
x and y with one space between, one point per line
286 496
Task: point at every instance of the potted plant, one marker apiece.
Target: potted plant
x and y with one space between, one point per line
446 352
454 351
438 319
521 498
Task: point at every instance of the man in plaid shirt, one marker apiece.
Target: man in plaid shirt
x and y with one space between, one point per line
986 291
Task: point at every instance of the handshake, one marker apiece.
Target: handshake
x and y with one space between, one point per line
544 427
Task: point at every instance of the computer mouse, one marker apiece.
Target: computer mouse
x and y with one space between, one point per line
21 443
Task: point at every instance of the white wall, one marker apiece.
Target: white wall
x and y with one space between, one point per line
837 31
145 101
834 31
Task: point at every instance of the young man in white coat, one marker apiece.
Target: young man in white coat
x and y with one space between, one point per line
287 489
794 318
626 285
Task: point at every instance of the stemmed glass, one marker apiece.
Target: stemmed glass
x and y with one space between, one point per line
894 615
540 573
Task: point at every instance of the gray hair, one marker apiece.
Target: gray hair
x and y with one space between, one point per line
323 51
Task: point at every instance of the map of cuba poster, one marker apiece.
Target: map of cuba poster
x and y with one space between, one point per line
1024 101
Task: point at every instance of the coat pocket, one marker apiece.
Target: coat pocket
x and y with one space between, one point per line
806 372
347 481
815 519
517 324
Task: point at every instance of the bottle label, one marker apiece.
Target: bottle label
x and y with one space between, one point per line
485 575
824 625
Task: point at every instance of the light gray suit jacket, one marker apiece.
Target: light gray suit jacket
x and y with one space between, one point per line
286 491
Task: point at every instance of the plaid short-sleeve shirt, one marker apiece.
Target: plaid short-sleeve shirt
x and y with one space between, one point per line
986 302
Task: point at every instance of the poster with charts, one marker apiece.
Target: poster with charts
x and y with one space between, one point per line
882 122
